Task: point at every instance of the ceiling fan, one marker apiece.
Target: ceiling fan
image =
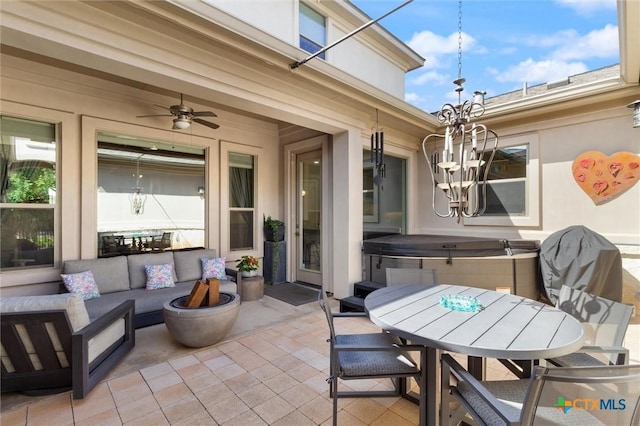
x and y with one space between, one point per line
184 115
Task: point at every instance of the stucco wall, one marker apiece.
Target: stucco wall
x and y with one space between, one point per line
562 203
41 92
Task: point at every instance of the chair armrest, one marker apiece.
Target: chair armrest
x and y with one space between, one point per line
124 310
379 348
235 274
85 375
451 366
621 350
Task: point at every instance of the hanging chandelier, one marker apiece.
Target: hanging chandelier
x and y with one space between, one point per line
137 198
459 160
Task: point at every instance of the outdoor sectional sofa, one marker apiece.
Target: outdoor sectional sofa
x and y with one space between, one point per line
123 278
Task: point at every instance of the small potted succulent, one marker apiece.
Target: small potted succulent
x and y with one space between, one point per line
248 266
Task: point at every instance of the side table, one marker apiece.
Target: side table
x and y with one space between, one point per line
252 288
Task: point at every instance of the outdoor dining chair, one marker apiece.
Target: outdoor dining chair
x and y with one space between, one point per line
371 356
603 395
605 323
398 276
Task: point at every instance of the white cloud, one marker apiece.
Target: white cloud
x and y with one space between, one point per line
546 41
540 71
427 77
601 43
434 47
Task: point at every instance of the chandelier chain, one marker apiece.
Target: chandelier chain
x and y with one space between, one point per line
460 39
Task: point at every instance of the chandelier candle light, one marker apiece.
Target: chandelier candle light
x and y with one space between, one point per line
137 198
457 159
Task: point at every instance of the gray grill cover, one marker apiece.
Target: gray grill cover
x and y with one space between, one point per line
582 259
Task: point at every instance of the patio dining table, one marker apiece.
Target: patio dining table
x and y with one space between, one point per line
505 326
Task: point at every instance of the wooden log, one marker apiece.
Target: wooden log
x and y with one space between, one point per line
198 294
214 291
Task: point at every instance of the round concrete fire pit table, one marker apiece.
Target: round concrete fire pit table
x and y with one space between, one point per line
203 326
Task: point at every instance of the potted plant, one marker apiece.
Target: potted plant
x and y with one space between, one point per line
273 235
273 229
248 266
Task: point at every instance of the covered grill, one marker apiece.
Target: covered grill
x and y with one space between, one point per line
582 259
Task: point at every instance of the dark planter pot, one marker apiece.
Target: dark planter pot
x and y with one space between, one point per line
269 235
274 268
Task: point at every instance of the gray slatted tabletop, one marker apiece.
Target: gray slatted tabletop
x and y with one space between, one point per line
507 326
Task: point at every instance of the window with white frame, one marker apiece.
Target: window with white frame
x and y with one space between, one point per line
242 211
312 30
513 184
28 187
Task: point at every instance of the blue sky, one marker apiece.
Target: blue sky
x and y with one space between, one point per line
505 43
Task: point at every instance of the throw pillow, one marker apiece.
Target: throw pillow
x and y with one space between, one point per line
83 283
159 276
213 268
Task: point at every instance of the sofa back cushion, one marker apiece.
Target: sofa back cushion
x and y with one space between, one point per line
137 262
70 302
188 264
111 273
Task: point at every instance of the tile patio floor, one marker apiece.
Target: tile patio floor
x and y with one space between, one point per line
272 376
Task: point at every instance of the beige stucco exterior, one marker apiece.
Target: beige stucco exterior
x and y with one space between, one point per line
95 66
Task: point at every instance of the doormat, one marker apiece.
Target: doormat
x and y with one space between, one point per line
292 293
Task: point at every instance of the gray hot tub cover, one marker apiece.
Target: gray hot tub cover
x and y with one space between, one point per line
582 259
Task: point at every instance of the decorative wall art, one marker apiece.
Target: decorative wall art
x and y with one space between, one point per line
604 178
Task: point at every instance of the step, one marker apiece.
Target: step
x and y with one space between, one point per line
352 304
363 288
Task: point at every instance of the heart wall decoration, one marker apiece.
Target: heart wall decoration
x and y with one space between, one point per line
604 178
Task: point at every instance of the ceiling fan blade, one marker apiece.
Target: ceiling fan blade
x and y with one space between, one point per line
155 115
206 123
204 114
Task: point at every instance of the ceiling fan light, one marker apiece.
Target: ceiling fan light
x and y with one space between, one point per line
181 123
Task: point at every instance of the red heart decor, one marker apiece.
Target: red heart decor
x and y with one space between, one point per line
604 178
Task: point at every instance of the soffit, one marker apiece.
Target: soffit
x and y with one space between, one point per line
600 96
159 44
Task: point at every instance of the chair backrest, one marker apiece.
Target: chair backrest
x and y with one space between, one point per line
326 307
605 321
397 276
583 395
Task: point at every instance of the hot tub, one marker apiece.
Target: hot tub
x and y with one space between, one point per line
495 264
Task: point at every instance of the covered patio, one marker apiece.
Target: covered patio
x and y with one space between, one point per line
267 372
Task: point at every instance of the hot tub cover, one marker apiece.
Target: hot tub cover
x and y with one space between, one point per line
424 245
582 259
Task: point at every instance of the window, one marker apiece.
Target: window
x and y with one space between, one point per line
28 188
241 201
312 30
507 182
369 194
383 199
150 196
513 191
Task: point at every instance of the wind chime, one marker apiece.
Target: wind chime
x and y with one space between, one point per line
459 160
377 153
137 198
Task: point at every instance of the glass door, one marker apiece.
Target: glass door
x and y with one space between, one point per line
309 218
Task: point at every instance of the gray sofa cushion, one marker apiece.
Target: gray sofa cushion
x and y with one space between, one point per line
137 275
70 302
111 273
188 265
146 300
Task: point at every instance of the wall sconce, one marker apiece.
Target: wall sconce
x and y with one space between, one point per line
201 191
636 112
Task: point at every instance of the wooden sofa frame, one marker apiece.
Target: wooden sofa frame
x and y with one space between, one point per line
80 375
